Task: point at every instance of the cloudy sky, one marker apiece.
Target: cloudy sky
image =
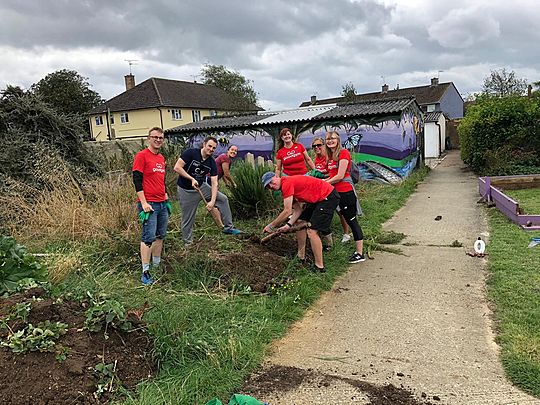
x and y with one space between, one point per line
289 49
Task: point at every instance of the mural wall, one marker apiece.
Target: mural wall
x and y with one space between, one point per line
390 140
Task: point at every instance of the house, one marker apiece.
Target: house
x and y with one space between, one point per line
441 104
436 96
157 102
385 132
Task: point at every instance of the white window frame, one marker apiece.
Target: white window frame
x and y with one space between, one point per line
124 118
213 113
196 115
176 114
430 108
99 120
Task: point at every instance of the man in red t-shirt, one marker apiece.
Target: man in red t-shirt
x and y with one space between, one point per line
320 200
153 205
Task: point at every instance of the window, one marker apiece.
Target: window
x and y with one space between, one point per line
431 107
176 115
99 120
196 114
112 119
213 113
124 118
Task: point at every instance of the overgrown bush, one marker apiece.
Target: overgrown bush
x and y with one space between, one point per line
249 199
501 136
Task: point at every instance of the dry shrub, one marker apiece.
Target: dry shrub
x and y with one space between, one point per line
62 265
67 208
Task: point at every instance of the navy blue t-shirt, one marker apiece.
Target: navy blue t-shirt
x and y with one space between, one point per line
196 167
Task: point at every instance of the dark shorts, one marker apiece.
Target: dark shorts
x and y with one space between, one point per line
320 214
156 226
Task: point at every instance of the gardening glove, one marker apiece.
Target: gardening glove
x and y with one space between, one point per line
168 206
143 216
316 173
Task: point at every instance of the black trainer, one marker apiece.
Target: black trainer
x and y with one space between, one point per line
315 269
357 258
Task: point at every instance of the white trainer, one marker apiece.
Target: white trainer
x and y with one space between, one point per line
346 238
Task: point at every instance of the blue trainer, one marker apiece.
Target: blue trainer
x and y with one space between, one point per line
146 278
232 231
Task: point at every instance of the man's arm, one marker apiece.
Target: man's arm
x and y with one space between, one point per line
214 185
179 168
283 215
138 183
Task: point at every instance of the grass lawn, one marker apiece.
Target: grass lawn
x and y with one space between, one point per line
528 199
514 287
208 339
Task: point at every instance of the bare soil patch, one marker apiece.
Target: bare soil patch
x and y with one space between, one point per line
40 378
281 379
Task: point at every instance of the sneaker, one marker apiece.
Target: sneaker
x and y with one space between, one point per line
315 269
232 231
146 278
346 238
357 258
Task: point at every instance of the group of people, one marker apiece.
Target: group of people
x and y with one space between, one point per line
312 199
198 176
307 200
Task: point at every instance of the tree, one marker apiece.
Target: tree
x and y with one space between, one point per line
348 92
67 92
502 83
243 96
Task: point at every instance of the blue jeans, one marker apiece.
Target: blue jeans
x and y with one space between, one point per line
156 226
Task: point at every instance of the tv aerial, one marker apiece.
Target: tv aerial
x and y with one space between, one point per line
130 63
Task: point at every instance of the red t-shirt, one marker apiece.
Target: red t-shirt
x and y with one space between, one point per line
320 164
292 159
152 167
332 166
305 188
219 162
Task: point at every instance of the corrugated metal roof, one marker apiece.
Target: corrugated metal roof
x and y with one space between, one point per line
432 116
240 121
299 114
318 113
368 108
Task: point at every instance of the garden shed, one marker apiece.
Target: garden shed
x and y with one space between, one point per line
387 132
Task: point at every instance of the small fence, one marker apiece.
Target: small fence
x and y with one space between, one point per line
250 159
490 189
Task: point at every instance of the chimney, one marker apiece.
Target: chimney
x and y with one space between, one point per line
313 100
130 81
384 88
435 81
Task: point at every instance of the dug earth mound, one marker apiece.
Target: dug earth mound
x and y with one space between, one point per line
83 367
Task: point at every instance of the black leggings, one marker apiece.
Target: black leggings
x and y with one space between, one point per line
347 205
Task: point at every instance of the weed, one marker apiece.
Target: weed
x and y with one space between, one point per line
456 243
61 353
104 313
390 237
17 265
35 338
108 379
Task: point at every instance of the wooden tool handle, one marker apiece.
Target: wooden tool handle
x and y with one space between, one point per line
293 228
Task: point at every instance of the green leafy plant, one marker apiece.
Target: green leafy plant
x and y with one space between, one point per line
104 313
35 338
61 353
17 265
108 379
249 198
